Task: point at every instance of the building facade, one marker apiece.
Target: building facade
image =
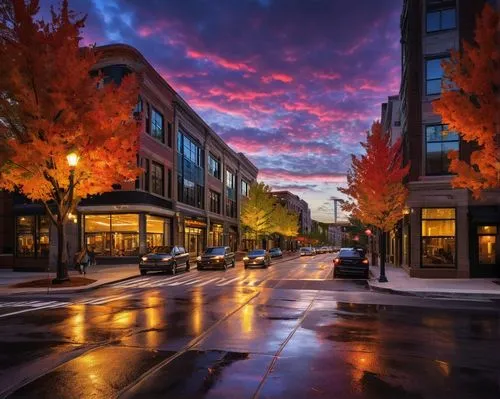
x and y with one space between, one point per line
297 205
189 192
445 232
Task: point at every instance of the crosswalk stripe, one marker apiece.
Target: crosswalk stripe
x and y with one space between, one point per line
182 282
229 281
128 283
113 299
207 282
194 281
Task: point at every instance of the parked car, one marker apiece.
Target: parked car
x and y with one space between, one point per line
275 253
257 257
323 250
216 257
165 258
351 261
306 251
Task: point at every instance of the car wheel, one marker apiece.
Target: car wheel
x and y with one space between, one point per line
246 267
335 274
188 266
225 265
144 272
233 264
173 269
366 276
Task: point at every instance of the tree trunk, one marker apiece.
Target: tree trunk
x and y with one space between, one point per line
62 271
382 278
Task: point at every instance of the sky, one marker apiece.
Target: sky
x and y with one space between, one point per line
293 84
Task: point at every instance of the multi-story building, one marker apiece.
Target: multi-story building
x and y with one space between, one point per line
294 204
391 117
189 192
445 232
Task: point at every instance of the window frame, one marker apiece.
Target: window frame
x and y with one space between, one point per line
440 7
213 159
430 266
426 142
215 199
441 57
155 113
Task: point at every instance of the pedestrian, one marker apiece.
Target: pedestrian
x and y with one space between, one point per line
83 261
91 254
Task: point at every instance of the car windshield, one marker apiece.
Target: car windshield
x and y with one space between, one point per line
305 249
274 250
350 253
215 251
161 250
257 252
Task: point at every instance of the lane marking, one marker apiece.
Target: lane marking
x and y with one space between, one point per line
58 304
230 281
207 282
107 300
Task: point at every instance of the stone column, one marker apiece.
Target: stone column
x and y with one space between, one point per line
462 242
415 238
143 248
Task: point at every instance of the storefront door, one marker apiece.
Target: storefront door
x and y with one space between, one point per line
487 262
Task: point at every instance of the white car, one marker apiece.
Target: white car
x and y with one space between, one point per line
307 251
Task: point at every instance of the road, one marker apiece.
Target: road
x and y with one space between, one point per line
286 332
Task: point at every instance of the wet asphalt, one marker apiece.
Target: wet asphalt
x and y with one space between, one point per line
289 331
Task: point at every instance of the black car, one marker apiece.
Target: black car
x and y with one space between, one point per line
165 258
275 253
216 257
257 257
351 261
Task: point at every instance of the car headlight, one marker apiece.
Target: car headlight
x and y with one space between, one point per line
245 258
166 259
144 258
198 258
259 258
219 257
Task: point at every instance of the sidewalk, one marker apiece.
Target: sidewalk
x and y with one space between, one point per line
104 274
401 283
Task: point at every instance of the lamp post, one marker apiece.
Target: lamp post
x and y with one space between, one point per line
62 271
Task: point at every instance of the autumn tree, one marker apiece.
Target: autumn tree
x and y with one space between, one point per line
51 105
257 210
285 222
470 104
375 189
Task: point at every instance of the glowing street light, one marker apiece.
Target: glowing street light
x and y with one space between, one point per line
73 159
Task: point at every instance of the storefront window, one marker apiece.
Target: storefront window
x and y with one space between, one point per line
43 236
113 235
438 237
154 231
487 244
216 235
25 230
193 240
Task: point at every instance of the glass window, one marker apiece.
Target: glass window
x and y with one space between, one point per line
43 237
115 73
157 125
230 208
125 222
190 178
157 178
433 75
438 237
487 249
438 20
214 202
146 174
487 230
154 232
213 166
25 231
439 142
97 223
245 188
215 251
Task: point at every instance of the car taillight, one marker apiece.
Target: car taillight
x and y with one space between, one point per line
365 261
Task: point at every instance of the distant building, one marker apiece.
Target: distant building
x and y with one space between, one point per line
391 117
297 205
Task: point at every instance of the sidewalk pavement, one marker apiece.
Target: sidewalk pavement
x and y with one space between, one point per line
103 274
401 283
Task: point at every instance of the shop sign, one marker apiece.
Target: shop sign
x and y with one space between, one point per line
194 223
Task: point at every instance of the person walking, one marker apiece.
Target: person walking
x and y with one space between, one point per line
83 261
91 253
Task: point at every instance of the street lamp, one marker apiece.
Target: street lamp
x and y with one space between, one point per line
73 159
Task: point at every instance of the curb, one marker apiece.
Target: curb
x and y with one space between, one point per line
70 290
434 294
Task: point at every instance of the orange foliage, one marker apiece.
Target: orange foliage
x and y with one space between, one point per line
375 189
470 104
50 105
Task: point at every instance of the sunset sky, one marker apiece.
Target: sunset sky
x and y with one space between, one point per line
294 84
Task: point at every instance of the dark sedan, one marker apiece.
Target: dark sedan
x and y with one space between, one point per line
216 257
164 259
275 253
351 262
257 257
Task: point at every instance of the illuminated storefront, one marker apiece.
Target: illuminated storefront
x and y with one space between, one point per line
32 236
194 236
216 235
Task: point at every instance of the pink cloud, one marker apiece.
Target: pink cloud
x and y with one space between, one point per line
220 61
297 177
280 77
326 76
